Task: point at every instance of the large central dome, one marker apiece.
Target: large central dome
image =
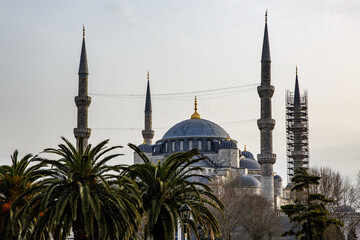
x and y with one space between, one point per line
195 128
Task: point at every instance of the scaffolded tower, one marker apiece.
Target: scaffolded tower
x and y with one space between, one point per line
297 129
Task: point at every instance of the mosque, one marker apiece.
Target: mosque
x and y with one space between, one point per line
223 161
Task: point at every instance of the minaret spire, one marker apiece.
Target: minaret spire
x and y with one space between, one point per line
148 133
297 100
266 46
266 124
82 101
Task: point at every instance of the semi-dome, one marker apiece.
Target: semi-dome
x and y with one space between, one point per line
250 164
246 181
228 144
145 148
195 128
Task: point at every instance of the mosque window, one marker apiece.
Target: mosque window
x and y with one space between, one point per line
166 147
181 145
190 144
199 145
173 146
208 145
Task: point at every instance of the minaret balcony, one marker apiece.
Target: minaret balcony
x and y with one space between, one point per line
297 154
265 91
82 132
298 127
82 101
266 124
266 158
148 134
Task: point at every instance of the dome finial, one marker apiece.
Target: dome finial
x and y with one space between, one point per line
195 115
244 148
144 142
148 75
296 71
228 138
83 30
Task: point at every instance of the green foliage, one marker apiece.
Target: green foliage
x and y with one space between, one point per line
15 180
81 192
165 187
308 213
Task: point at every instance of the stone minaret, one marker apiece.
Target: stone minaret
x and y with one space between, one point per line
148 133
266 124
82 101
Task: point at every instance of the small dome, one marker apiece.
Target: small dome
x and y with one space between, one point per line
289 186
228 144
247 154
245 181
249 164
277 177
145 148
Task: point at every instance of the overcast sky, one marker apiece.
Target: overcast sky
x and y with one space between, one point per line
188 46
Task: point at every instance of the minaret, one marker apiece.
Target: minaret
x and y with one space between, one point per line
266 124
148 133
297 129
82 101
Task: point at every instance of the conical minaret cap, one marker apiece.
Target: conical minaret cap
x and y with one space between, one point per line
83 67
266 46
148 108
297 100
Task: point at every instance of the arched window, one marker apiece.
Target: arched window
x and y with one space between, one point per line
166 147
182 145
208 145
199 145
173 146
190 145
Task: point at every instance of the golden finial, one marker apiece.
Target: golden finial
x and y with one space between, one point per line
244 148
144 141
83 30
148 76
195 115
266 15
296 71
228 138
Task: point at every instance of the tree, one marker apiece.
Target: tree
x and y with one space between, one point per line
15 180
165 187
308 213
246 216
342 191
81 192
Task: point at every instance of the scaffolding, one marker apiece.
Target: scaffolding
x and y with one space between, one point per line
297 133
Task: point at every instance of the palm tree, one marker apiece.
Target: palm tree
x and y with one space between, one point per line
165 187
83 193
15 180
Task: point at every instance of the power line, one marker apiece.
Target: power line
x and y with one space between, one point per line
182 95
231 124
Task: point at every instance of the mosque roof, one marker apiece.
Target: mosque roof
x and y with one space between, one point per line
249 164
228 144
277 177
145 148
246 181
195 128
247 154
